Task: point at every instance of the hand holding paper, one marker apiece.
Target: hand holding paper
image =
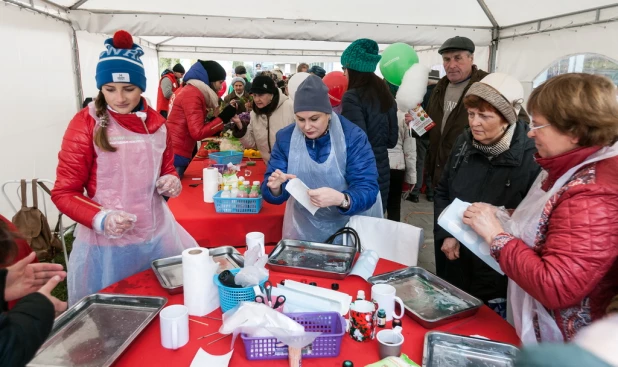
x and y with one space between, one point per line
299 191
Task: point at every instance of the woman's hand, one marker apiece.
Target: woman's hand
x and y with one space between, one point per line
169 185
249 106
277 179
24 278
482 218
325 197
237 122
450 247
59 306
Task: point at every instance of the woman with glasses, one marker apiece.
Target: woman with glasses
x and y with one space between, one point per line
559 247
491 161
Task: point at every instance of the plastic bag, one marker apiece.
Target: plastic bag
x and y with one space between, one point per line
254 270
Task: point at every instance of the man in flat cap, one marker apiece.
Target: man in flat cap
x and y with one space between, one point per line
447 110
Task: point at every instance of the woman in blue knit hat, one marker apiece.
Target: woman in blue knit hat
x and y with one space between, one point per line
369 104
118 151
332 157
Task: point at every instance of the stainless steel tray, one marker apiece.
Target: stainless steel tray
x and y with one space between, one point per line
96 330
429 300
446 350
169 270
313 259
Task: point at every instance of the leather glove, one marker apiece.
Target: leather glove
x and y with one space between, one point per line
169 185
228 112
113 223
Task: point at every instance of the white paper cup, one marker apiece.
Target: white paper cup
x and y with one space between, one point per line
254 239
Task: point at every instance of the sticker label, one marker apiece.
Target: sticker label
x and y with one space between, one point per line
121 77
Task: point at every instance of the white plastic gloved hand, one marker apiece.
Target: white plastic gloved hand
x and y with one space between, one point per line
169 185
113 223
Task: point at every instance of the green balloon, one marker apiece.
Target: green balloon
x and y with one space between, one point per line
396 60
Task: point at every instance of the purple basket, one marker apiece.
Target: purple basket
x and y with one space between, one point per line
330 324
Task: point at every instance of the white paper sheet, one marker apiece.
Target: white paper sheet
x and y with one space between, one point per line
298 190
341 298
205 359
451 219
366 264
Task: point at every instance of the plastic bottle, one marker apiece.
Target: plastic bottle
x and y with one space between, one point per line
234 192
381 318
257 183
226 192
255 192
247 186
242 193
360 295
241 186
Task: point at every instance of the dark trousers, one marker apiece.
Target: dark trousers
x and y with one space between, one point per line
422 147
393 204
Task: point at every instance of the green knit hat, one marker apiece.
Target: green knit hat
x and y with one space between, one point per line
361 55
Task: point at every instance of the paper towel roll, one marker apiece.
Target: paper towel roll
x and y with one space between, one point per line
200 292
211 183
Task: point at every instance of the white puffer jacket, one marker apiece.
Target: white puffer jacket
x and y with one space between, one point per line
403 155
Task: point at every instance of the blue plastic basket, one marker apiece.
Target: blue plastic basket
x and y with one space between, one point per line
230 297
225 157
237 205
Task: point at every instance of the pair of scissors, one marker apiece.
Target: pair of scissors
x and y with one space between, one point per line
279 302
268 286
260 299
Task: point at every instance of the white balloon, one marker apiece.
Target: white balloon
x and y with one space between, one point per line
295 82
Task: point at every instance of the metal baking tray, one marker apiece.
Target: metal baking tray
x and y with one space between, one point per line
429 300
313 259
96 330
446 350
169 269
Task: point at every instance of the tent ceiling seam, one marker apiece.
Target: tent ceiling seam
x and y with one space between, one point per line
551 29
37 11
77 4
166 40
597 9
136 13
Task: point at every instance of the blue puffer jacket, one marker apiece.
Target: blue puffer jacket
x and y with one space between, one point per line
361 173
381 128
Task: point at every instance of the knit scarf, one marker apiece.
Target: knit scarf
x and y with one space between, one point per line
499 147
212 100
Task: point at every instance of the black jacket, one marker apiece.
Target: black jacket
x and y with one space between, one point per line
24 328
382 129
470 176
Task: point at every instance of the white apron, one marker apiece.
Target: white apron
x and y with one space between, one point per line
524 224
126 181
298 222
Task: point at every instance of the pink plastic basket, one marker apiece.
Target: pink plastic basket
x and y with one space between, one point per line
330 324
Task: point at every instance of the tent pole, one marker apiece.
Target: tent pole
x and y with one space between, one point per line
493 49
77 70
77 4
33 9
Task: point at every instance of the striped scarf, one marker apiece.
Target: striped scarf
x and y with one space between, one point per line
499 147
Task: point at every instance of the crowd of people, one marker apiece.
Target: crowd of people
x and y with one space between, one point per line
542 179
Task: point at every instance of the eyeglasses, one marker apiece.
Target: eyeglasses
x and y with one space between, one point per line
533 128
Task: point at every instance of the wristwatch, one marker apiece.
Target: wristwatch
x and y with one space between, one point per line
345 204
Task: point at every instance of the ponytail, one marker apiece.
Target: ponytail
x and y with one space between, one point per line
100 136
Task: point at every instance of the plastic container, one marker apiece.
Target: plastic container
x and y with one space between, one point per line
237 205
230 297
331 324
226 157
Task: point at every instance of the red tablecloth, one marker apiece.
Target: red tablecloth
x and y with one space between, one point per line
212 229
146 350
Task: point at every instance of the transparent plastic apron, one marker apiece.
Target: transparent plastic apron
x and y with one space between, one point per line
298 222
126 181
524 224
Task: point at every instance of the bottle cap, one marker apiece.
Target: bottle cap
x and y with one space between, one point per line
241 179
348 364
381 313
246 183
334 286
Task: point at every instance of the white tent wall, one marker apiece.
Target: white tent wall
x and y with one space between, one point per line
525 57
90 47
37 98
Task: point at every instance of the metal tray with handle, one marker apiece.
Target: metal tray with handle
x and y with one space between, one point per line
313 259
96 330
429 300
169 270
446 349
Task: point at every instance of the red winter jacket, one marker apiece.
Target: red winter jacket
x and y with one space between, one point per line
77 162
186 120
572 270
162 102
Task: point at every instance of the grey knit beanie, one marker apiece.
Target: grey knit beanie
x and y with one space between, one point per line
312 95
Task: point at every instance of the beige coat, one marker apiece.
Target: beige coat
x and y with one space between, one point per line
403 155
261 128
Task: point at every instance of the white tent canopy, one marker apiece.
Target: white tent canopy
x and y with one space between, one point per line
51 47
